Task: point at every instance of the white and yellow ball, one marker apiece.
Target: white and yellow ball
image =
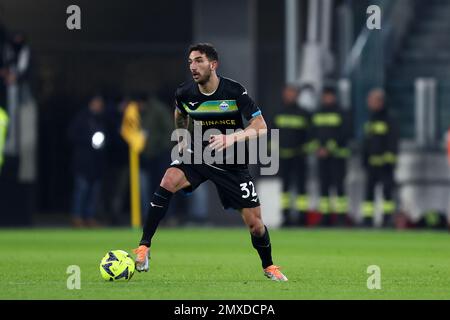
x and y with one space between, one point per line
117 265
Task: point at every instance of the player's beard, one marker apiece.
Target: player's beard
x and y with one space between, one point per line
204 79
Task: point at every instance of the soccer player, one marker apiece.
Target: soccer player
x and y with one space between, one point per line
213 102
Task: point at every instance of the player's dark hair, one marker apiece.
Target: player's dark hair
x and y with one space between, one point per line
207 49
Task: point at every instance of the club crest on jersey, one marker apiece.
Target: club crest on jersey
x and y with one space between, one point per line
224 106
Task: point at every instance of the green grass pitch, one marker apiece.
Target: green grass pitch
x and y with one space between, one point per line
221 264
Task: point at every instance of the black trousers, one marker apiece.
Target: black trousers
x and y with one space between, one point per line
293 173
383 175
332 173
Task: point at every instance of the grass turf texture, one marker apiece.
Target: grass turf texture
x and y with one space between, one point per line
221 264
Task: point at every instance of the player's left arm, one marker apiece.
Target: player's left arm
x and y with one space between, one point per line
257 125
256 128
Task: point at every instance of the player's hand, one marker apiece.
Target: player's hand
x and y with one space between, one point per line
221 141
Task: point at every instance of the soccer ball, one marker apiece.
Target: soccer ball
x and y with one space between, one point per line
117 265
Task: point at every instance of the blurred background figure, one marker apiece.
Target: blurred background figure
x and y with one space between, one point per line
157 124
448 145
116 183
3 64
19 146
3 130
22 143
20 66
380 149
87 135
293 123
330 136
448 160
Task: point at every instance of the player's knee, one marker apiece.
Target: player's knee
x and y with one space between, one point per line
256 226
171 180
253 220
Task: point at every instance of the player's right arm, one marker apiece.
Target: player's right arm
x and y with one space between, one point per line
181 122
180 115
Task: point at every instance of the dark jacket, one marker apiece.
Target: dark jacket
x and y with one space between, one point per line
293 123
157 122
331 129
380 146
87 161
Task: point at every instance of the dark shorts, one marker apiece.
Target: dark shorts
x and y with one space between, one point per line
235 187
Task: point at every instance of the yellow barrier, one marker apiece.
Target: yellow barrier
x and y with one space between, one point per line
132 133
